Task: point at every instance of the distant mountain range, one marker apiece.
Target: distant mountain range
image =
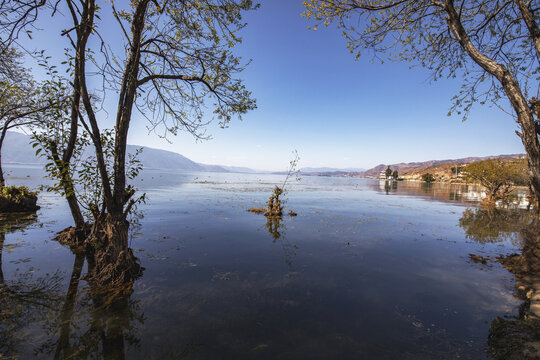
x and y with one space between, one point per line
374 172
310 170
17 149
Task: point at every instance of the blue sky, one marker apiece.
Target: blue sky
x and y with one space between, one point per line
314 97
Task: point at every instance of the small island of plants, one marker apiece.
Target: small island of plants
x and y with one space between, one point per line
17 199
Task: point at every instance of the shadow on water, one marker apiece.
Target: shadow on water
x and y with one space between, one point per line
518 337
79 322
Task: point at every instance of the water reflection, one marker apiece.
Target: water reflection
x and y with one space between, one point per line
276 228
63 347
92 324
40 319
494 225
373 279
24 299
10 223
273 225
519 337
388 186
434 191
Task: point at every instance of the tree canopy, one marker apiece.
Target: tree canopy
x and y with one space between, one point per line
496 175
388 172
171 61
23 101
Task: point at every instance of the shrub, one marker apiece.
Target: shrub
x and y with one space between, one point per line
15 192
427 177
17 199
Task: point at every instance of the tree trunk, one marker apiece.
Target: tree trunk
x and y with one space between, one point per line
525 116
66 182
2 137
114 264
533 159
2 239
75 210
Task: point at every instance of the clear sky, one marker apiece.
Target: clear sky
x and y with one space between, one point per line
314 97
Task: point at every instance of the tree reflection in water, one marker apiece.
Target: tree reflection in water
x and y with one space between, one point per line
517 338
80 323
494 225
276 228
92 324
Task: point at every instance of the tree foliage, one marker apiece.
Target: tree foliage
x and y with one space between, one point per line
496 175
22 100
420 32
173 64
177 56
428 177
388 172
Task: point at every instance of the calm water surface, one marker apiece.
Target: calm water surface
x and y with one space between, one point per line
366 270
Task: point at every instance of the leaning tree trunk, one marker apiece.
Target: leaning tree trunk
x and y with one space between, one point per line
2 137
532 147
73 203
524 112
66 181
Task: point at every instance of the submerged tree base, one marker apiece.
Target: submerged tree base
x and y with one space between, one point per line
74 238
17 199
111 263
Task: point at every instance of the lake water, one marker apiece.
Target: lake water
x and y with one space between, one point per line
367 269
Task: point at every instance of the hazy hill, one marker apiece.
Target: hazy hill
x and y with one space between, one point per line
17 149
161 159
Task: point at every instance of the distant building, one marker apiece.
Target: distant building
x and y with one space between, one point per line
382 175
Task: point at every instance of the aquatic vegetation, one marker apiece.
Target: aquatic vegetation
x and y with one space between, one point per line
274 206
